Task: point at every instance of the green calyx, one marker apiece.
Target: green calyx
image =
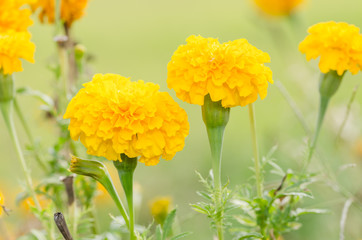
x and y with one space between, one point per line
7 92
329 83
214 114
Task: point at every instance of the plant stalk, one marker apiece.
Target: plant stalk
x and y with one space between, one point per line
258 172
125 172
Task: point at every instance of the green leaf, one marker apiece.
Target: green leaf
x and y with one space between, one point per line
181 235
299 194
37 94
302 211
158 232
167 226
253 235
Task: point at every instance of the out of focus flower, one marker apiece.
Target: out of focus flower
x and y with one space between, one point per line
70 10
13 18
232 72
1 202
278 7
358 148
112 115
160 207
339 46
13 47
28 203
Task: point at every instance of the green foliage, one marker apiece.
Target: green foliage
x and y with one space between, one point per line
209 206
277 211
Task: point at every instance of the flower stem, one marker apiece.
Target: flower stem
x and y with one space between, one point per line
216 136
125 172
7 111
258 172
38 157
216 117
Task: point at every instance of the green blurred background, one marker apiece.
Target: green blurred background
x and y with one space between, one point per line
137 39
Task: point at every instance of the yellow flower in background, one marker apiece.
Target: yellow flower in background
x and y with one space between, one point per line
1 202
232 72
70 10
160 207
13 46
28 203
339 46
13 18
278 7
112 115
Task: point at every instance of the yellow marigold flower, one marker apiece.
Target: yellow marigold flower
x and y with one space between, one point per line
1 202
70 10
160 208
112 115
13 46
13 18
278 7
232 72
339 46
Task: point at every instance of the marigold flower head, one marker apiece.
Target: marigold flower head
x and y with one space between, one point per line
232 72
70 10
339 46
13 18
13 46
112 115
278 7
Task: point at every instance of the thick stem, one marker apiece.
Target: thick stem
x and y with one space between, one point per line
38 157
258 172
216 135
7 111
125 172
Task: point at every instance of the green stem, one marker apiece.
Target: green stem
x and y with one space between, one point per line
38 157
7 110
258 173
322 111
125 172
216 135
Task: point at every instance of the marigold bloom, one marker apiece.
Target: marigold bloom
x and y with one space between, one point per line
70 10
160 208
232 72
112 115
13 18
339 46
278 7
13 46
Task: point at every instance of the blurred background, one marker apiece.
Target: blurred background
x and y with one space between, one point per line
137 39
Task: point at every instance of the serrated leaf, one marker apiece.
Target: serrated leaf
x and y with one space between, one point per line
253 235
167 226
181 235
